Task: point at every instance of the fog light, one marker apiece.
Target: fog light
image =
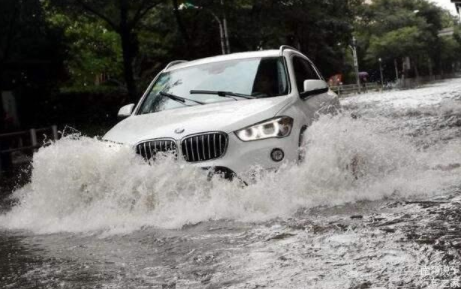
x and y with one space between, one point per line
277 155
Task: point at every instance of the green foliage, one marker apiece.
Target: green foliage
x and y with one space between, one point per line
94 51
457 34
396 43
450 50
122 17
395 29
128 41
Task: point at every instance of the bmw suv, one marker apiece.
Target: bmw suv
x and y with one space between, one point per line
228 113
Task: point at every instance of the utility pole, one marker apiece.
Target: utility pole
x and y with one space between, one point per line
396 70
381 71
226 34
356 62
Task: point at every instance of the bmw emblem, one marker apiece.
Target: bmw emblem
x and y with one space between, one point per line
179 130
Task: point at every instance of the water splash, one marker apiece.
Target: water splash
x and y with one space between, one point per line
85 185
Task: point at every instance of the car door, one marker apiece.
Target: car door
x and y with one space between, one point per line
312 105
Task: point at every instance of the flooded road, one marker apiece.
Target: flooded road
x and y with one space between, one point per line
375 205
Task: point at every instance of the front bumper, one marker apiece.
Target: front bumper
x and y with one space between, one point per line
244 157
241 159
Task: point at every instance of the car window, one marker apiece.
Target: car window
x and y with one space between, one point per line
303 71
259 77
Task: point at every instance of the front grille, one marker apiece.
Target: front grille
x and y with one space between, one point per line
204 147
149 149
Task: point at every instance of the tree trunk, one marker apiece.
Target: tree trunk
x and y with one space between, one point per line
128 51
128 57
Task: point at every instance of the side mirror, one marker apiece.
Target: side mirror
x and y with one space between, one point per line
125 111
314 87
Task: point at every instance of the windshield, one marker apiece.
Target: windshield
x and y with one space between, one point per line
256 77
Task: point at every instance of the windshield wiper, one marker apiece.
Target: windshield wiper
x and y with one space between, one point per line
179 98
222 93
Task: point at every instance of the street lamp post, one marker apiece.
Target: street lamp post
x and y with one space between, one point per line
381 72
353 47
223 34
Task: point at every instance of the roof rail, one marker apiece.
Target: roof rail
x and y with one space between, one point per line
283 47
173 63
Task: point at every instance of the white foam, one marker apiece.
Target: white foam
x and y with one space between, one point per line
83 185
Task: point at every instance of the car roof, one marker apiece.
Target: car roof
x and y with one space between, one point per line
233 56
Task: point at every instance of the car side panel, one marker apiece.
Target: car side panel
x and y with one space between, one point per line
314 105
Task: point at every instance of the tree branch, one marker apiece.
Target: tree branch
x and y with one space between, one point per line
142 12
99 14
138 12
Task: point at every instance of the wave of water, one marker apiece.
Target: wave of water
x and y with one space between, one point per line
85 185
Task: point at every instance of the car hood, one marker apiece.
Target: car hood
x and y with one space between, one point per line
225 116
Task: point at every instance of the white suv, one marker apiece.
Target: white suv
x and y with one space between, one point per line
228 113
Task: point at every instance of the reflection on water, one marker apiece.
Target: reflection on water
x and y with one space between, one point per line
150 257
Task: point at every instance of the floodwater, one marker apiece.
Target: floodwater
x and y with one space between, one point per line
375 205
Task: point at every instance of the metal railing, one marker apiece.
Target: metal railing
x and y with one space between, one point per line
27 140
353 88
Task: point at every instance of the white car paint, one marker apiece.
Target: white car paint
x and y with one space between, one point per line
229 116
226 116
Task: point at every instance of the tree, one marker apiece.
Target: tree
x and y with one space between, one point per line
396 44
94 52
394 29
121 16
314 27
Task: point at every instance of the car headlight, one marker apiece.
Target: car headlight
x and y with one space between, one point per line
273 128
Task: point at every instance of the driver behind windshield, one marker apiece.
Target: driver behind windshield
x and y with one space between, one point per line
266 80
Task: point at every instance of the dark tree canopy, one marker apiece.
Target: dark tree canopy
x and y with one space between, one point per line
123 17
